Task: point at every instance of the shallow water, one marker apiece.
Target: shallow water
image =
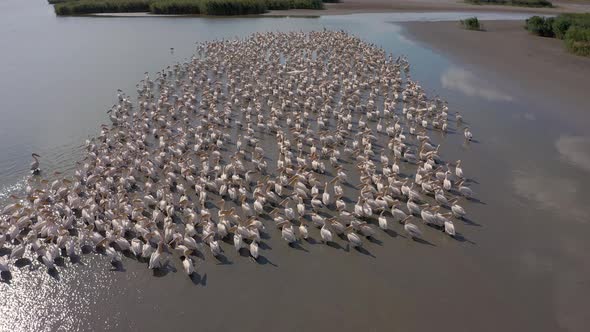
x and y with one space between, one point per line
520 265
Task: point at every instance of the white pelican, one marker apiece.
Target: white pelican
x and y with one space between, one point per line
325 233
157 257
187 265
456 209
382 221
303 230
411 229
254 249
467 133
353 238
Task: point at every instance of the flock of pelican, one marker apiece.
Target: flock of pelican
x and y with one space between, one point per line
287 131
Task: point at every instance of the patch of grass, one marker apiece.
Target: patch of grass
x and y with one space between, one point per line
577 40
204 7
471 23
519 3
574 29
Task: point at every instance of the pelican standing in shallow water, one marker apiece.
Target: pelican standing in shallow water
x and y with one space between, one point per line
196 134
35 164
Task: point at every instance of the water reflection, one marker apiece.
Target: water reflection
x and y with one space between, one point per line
466 82
575 149
556 194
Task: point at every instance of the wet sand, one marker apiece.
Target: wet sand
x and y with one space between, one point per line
379 6
536 64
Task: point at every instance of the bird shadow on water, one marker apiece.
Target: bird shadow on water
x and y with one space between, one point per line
311 240
375 241
54 274
334 245
262 260
5 277
223 260
476 200
264 246
469 222
425 242
118 267
22 262
163 271
460 238
197 279
391 233
361 250
296 245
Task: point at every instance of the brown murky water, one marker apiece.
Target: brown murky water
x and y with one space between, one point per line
520 263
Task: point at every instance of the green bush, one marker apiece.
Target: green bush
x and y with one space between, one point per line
541 26
175 7
101 6
232 7
471 23
564 21
577 40
573 28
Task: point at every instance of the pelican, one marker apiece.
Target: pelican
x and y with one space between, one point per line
157 257
35 164
467 133
287 232
254 249
457 209
325 233
382 221
353 238
187 265
303 230
195 134
412 230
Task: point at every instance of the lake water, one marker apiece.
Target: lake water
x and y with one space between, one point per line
522 263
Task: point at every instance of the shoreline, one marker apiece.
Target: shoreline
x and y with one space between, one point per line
538 65
346 7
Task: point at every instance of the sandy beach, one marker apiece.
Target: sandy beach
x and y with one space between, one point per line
537 64
379 6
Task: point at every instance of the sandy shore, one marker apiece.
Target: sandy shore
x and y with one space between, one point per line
379 6
541 65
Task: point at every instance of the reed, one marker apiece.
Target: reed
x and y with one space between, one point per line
82 7
189 7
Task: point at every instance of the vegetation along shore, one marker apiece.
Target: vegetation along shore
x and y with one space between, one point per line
188 7
574 29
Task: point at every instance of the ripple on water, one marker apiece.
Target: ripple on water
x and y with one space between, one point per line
556 194
33 301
